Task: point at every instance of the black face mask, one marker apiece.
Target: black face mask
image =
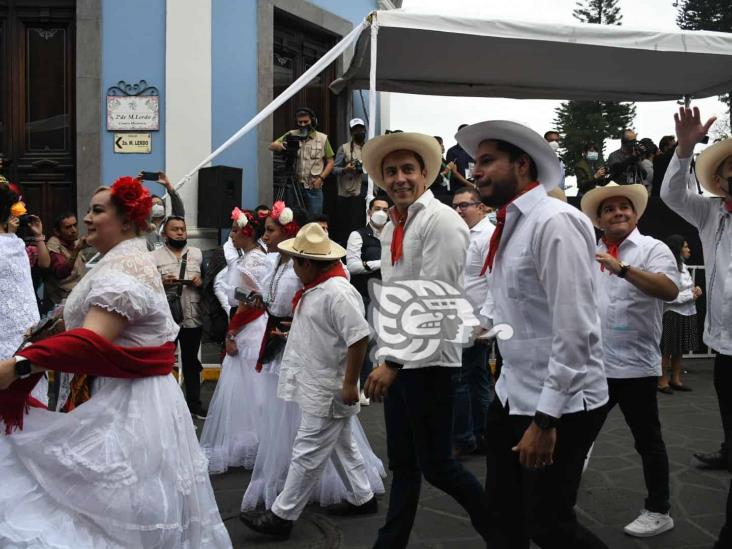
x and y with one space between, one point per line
177 244
359 137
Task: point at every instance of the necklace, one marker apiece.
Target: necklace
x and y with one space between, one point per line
275 282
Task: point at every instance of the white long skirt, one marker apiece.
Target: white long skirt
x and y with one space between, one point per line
121 470
280 420
229 437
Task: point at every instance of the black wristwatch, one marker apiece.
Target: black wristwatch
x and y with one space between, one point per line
624 268
23 367
393 365
545 421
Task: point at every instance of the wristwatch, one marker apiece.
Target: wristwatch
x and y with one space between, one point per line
23 367
624 268
545 421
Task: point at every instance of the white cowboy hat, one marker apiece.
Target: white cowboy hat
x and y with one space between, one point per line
425 146
636 193
312 242
547 164
708 162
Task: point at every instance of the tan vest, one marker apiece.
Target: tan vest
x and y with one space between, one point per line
349 183
311 158
58 290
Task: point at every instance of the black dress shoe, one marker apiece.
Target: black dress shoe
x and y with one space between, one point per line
712 460
346 509
268 523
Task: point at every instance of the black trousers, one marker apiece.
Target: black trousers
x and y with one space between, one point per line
637 400
190 342
538 505
723 386
418 415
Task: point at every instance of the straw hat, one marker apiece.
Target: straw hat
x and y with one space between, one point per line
547 164
377 148
708 162
312 242
636 193
557 193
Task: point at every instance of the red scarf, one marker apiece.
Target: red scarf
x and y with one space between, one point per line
613 248
500 222
397 239
728 205
82 351
335 271
242 318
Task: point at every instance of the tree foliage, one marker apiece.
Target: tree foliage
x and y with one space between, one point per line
581 122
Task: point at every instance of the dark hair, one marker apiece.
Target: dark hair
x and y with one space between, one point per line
420 160
318 218
599 206
665 141
262 208
256 223
475 195
675 242
382 199
626 131
8 197
589 146
299 215
60 218
514 153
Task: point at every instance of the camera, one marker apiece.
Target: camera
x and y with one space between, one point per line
357 164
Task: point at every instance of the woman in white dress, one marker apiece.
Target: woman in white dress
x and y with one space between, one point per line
229 437
279 419
124 469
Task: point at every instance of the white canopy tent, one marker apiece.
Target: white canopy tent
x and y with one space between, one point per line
406 52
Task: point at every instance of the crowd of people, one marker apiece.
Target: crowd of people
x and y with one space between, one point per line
99 441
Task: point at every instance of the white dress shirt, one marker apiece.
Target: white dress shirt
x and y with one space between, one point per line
476 286
543 287
714 223
222 290
434 248
354 264
684 304
632 321
329 318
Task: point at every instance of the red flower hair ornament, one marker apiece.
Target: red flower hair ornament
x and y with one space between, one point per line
285 217
244 220
130 197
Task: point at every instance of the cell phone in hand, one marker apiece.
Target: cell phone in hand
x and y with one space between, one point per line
243 295
150 176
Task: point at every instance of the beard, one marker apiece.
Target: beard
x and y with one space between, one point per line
502 192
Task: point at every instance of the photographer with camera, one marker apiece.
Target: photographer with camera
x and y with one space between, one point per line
624 164
314 159
352 182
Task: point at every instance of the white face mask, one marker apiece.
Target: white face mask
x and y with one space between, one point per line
554 145
157 211
593 156
379 218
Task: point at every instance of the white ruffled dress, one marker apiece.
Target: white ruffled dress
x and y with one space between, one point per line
124 469
280 419
229 437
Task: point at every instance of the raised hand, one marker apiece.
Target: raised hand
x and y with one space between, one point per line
690 130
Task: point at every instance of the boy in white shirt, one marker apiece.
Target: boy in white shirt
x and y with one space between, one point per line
320 369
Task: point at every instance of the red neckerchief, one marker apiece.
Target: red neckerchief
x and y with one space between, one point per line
82 351
728 205
613 249
500 222
397 239
335 271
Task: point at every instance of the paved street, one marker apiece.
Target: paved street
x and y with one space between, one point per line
611 495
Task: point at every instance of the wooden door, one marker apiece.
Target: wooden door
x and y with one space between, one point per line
37 116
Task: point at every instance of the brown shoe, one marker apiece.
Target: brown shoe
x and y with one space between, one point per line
667 390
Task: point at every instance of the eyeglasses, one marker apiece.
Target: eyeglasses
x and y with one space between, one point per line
464 205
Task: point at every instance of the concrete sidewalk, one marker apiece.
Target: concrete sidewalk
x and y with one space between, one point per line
611 494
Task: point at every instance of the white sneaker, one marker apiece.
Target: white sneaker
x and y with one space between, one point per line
649 524
363 401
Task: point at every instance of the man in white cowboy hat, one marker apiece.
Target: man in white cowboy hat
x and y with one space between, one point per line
711 216
552 389
635 276
426 240
320 368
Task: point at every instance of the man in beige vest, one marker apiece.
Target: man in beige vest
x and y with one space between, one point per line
314 158
350 213
67 259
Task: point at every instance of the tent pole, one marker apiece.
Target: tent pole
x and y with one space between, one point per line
372 95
